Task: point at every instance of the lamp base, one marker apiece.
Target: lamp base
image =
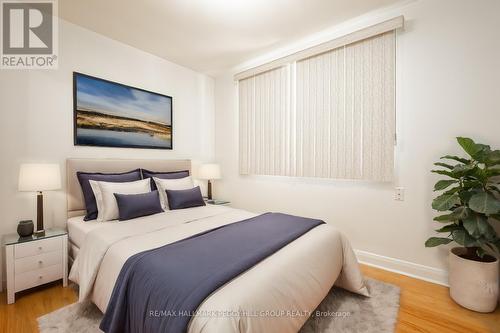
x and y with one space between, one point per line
209 194
39 215
39 233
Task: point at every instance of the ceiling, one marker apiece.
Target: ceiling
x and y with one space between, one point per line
211 35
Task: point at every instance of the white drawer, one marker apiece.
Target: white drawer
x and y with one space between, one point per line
37 247
27 264
37 277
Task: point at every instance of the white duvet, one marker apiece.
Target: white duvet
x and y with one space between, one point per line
276 295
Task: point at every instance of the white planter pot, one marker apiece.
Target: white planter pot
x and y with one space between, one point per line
473 284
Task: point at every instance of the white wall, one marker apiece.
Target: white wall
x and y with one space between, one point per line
37 115
448 65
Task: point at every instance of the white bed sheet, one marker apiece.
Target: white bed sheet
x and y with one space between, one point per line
78 229
73 252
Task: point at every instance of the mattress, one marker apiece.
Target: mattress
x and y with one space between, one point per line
78 229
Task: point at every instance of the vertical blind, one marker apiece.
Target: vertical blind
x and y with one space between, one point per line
265 122
330 115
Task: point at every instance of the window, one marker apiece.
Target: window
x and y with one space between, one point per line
329 114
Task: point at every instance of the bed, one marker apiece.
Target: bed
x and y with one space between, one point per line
78 230
277 294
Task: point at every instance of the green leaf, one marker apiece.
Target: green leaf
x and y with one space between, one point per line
445 173
478 175
463 238
493 158
485 203
445 218
468 145
492 172
445 202
462 170
458 213
483 155
456 158
472 148
461 212
453 190
472 184
477 225
444 165
448 228
466 195
436 241
442 184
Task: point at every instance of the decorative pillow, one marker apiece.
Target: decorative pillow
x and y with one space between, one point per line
179 199
107 208
171 184
163 175
131 206
88 194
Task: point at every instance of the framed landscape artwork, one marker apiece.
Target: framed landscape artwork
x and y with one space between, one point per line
110 114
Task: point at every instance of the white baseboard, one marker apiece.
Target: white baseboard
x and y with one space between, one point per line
426 273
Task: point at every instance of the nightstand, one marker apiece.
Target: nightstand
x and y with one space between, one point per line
217 202
33 261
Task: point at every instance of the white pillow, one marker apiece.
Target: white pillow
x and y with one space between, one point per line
185 183
107 208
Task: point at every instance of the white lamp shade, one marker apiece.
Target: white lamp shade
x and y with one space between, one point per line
209 171
39 177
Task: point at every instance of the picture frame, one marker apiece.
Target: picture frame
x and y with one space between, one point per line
112 114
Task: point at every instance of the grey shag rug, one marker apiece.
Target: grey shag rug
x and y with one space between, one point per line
340 312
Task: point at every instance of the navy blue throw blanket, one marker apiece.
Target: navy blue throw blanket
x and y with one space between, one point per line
175 279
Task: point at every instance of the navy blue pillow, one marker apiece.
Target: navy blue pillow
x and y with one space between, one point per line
88 194
131 206
178 199
163 175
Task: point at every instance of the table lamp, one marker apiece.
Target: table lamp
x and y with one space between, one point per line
39 178
209 172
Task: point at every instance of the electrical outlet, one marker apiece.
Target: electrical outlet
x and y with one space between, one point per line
399 194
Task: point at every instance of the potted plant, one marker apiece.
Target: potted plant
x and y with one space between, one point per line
470 198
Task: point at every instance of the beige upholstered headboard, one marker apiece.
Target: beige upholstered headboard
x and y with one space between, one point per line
76 205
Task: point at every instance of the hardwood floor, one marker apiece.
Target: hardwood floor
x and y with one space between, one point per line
20 317
425 307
